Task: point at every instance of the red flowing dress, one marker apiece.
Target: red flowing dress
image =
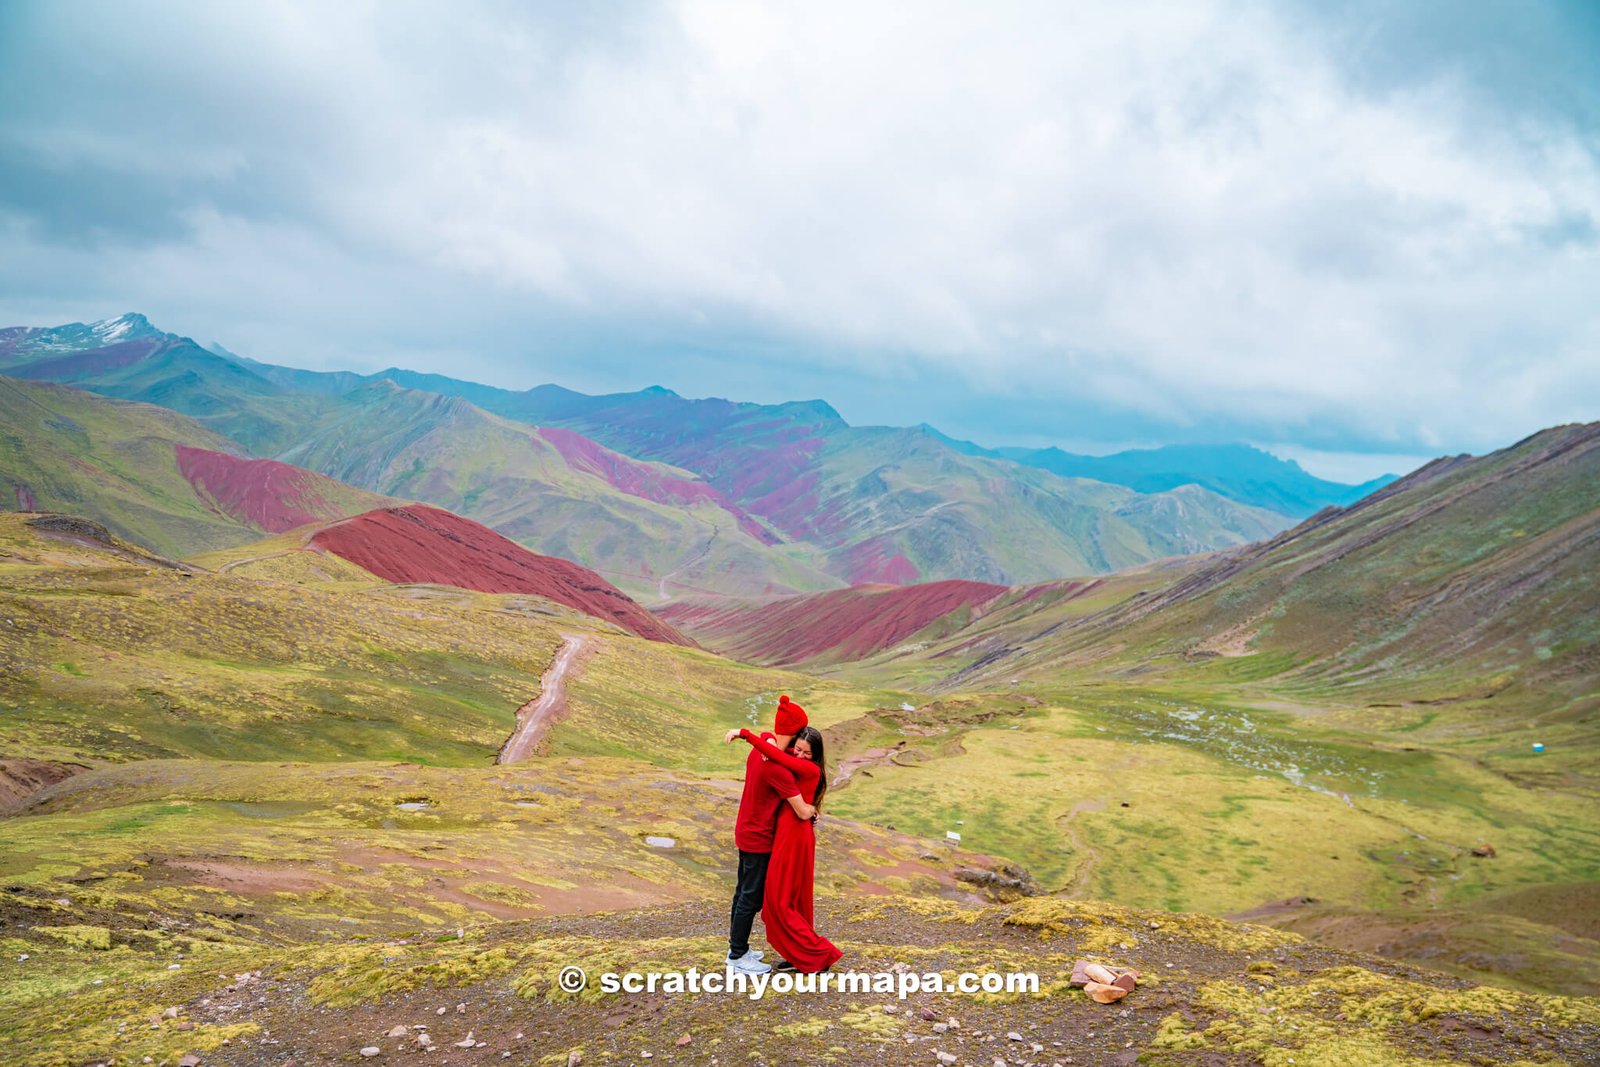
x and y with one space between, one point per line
786 907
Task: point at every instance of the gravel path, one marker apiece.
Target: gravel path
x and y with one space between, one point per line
535 717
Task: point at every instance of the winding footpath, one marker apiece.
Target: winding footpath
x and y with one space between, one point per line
661 587
535 717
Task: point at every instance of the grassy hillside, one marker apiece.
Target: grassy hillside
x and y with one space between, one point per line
1316 731
900 505
503 474
281 772
1472 579
123 464
1197 802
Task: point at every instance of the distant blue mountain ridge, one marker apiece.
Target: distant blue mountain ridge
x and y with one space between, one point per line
1239 472
179 373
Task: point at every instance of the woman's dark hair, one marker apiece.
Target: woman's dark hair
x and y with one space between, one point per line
813 737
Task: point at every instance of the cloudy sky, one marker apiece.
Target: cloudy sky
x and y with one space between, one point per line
1358 233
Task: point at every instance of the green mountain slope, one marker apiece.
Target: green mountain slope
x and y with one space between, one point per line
848 504
653 538
897 505
885 504
449 452
1472 577
147 473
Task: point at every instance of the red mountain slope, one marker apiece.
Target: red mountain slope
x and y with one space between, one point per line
422 544
845 624
263 493
644 480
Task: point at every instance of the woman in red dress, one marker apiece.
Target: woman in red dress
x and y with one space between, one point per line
786 904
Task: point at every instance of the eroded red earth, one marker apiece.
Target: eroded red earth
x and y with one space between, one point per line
263 493
644 480
844 624
417 543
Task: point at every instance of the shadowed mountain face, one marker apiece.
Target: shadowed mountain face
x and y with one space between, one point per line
655 490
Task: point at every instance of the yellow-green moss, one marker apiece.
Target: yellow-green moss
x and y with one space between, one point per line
806 1028
1174 1033
97 938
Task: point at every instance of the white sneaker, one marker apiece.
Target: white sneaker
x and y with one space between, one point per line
748 965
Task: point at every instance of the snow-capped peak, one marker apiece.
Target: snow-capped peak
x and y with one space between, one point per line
110 331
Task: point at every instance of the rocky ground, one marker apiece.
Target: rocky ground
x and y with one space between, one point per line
1211 993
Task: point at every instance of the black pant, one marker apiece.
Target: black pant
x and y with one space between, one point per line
746 900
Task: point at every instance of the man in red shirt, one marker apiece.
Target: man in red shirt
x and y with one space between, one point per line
766 787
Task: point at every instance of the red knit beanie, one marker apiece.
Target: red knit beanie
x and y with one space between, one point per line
791 718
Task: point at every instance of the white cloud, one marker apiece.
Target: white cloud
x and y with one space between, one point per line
1193 213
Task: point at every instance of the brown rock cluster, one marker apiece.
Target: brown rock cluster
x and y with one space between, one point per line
1104 984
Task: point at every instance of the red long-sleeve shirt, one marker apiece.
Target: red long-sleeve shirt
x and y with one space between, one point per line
767 786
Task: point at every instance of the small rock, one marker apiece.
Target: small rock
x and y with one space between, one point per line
647 1055
1101 993
1012 1035
1154 925
424 1040
370 1051
927 1014
940 1028
441 1011
900 967
398 1031
467 1041
185 1026
890 1009
461 1009
574 1058
1484 852
190 1060
1036 1047
684 1040
946 1058
22 958
953 1023
170 1013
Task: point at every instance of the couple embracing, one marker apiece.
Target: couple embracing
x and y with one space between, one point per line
783 787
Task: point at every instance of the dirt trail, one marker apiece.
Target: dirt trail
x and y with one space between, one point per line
535 717
661 587
305 545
